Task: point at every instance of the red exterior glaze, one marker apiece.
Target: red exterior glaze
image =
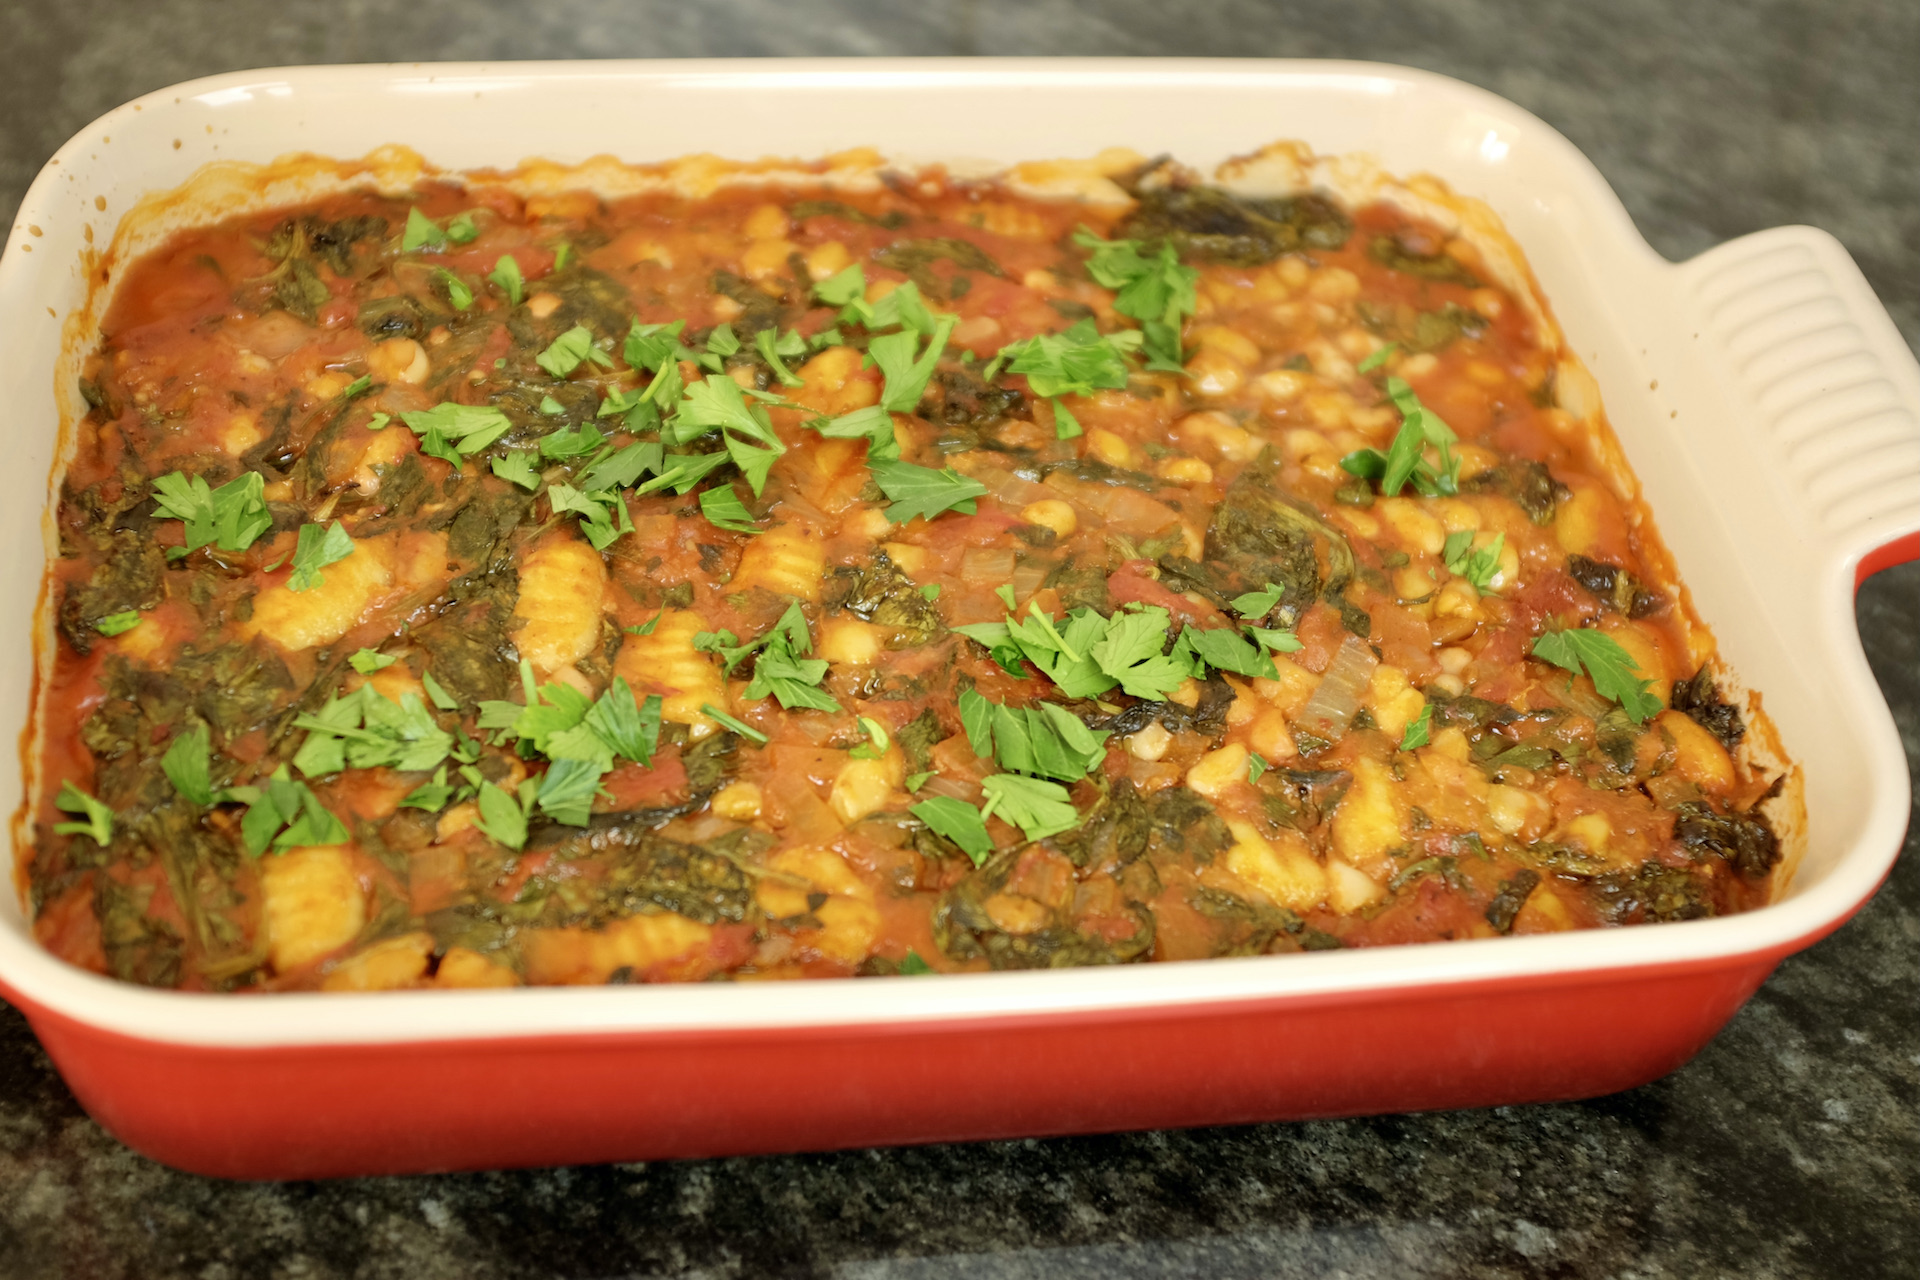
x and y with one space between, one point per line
1899 551
332 1111
341 1110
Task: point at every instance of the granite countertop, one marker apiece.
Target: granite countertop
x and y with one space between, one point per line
1790 1147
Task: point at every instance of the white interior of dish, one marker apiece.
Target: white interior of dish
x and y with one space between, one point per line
1766 525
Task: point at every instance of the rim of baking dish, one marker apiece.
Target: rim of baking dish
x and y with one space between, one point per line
36 978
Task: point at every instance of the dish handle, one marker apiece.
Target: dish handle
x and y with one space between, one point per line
1808 355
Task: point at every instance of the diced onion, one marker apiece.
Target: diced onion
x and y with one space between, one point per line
986 566
1337 697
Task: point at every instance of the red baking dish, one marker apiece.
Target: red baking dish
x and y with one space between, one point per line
1769 408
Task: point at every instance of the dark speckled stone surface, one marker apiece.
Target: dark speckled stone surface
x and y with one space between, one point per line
1788 1148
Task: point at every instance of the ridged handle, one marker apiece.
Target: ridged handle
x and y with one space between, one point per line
1809 357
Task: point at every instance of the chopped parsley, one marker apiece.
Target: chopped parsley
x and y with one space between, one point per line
97 818
317 548
917 491
1478 567
118 623
230 517
1405 459
366 730
1419 729
781 671
1610 667
1045 740
457 291
1157 291
959 822
285 814
1038 807
568 351
454 432
368 661
421 232
506 275
724 510
516 467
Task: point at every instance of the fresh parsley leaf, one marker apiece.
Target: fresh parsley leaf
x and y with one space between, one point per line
567 352
366 730
1044 739
1418 729
621 469
907 376
1227 650
1005 592
551 407
438 695
877 740
767 343
1131 652
97 823
231 517
1065 425
930 591
378 422
284 803
567 790
740 727
469 428
1378 357
1611 668
724 510
1157 291
1078 361
516 467
1039 808
118 623
1255 767
682 472
959 822
904 306
461 228
1258 604
917 780
1478 567
421 232
650 346
603 514
562 254
922 491
913 966
646 628
506 275
722 340
781 671
368 661
358 387
188 764
754 462
872 424
718 402
630 728
842 287
501 817
317 548
1275 640
431 796
457 291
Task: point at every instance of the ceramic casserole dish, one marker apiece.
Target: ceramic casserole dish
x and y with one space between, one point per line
1766 402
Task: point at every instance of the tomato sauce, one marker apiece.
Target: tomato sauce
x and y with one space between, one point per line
462 589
